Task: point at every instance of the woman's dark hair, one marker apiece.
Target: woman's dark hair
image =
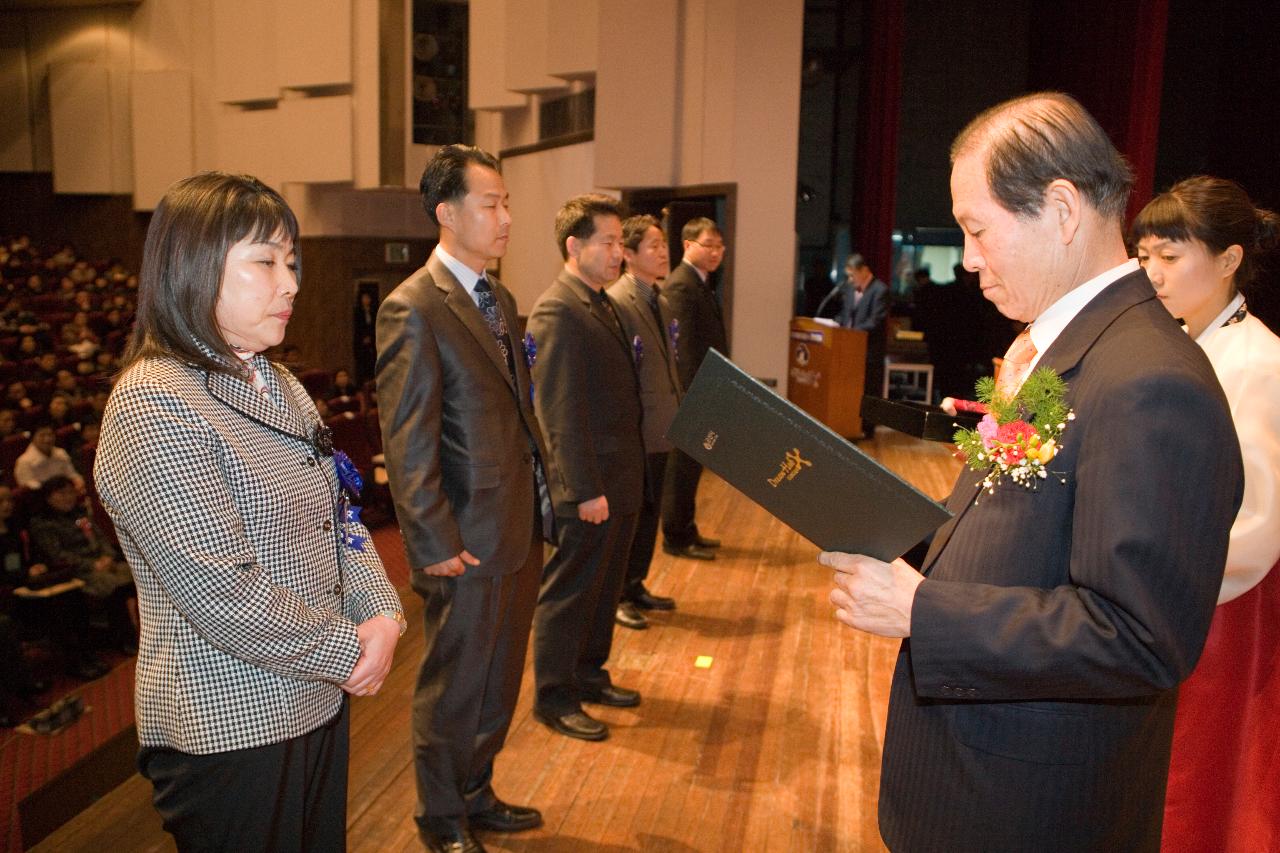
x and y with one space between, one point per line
196 223
1215 211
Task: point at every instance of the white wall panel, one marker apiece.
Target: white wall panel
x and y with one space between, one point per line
163 34
487 57
249 141
163 133
636 94
366 166
119 58
573 37
528 23
57 36
245 51
313 40
538 184
80 124
315 139
15 110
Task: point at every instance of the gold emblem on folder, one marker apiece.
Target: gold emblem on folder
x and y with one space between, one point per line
710 441
791 465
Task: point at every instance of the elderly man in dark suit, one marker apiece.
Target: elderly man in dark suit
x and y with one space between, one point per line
700 327
588 401
646 318
465 459
1032 705
866 305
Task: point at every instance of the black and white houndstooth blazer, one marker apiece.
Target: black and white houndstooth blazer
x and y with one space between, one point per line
229 519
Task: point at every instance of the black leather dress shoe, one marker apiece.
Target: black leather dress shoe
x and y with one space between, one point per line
613 696
576 724
646 600
504 817
707 542
693 552
456 840
628 616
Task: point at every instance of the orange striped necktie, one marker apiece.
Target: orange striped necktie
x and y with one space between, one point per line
1016 365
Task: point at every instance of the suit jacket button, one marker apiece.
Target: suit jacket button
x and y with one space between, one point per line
337 589
328 525
527 458
311 460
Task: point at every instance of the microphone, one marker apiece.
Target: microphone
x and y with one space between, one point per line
827 298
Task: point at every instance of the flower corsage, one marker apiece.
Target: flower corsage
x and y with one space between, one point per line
1017 437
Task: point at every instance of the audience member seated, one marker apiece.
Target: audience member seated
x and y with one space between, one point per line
66 385
344 394
60 413
62 617
16 680
65 537
8 423
16 396
43 460
343 386
45 368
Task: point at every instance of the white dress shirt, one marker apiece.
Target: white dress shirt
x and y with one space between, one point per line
465 275
1046 328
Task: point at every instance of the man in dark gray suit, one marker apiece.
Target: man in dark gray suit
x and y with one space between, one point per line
588 402
1033 701
700 327
465 459
866 305
646 318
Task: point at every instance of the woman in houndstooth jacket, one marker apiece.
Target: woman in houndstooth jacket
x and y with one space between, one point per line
260 597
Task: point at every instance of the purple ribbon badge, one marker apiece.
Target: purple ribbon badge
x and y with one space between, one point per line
530 357
348 474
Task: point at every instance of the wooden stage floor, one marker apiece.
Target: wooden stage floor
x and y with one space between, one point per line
774 746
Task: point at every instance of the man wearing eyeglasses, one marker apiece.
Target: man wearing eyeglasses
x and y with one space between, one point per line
700 327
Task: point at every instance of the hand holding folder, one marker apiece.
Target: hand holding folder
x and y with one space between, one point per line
799 470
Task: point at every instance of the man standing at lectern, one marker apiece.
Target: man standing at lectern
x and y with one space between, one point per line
1044 638
866 304
700 326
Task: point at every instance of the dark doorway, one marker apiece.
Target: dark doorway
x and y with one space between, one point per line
675 206
364 351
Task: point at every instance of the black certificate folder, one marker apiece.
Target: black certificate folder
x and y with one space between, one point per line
812 479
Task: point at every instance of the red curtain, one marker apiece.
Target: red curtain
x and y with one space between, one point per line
876 169
1108 54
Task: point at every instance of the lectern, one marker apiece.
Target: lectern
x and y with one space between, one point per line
826 373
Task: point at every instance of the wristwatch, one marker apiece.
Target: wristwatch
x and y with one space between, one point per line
397 616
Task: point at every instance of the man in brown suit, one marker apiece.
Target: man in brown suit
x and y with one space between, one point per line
647 320
465 459
588 401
